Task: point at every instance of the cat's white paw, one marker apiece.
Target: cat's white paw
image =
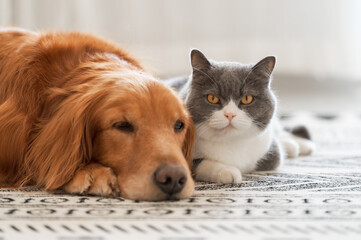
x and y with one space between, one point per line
212 171
228 174
307 147
296 146
290 146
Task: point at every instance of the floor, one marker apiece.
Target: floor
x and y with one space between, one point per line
315 197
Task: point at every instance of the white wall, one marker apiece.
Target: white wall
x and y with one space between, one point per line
315 38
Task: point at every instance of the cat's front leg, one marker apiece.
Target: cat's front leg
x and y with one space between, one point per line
213 171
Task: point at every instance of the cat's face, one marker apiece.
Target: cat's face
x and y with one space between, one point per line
230 99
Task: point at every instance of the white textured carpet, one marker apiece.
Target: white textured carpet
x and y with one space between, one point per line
316 197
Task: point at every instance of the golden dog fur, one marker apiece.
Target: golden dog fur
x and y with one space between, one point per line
61 94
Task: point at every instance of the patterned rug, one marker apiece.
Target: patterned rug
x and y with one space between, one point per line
317 197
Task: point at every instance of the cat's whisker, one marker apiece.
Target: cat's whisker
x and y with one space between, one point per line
201 128
203 131
210 78
248 74
218 122
259 124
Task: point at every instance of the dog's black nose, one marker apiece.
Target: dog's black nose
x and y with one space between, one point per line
170 178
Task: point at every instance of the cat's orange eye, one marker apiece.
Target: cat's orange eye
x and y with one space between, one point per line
213 98
247 99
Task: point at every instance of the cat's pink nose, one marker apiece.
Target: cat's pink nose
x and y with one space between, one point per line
230 116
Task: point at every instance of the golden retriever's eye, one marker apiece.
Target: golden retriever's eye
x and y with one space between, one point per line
124 126
247 99
178 126
213 98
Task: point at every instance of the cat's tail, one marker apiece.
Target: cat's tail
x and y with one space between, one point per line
300 131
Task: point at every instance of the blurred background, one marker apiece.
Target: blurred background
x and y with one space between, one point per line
317 42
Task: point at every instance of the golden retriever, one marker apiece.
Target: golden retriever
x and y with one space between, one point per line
79 114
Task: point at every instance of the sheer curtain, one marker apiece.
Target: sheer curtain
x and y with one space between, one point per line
316 38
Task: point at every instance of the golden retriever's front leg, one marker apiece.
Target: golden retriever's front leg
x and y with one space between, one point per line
93 179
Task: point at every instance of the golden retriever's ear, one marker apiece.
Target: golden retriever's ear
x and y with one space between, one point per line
62 144
188 145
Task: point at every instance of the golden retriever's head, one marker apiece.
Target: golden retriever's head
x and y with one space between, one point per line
89 101
145 134
123 119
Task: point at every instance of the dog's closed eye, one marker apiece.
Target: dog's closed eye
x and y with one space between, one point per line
178 126
124 127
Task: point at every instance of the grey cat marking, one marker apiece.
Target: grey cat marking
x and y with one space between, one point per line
271 160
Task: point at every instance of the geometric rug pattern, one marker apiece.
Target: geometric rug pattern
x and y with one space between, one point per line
314 197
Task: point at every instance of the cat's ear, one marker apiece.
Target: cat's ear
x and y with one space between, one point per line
198 60
265 66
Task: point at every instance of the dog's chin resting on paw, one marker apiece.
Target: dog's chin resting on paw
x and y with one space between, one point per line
78 114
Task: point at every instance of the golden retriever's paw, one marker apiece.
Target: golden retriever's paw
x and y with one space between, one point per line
80 184
94 179
104 183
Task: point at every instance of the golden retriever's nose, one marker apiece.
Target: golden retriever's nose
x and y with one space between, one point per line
170 178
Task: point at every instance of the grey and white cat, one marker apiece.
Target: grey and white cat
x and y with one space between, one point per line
234 110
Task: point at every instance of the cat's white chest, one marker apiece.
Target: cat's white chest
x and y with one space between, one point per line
243 153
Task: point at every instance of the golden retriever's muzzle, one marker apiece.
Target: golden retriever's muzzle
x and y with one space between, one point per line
170 178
